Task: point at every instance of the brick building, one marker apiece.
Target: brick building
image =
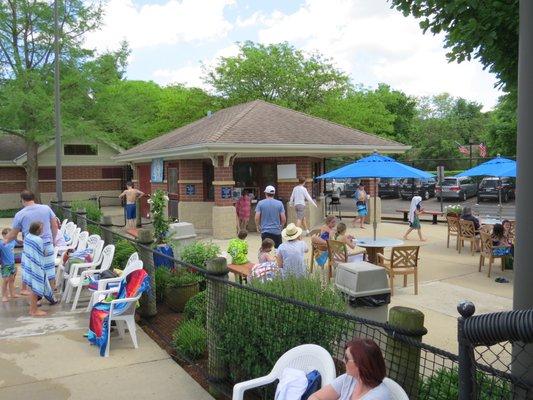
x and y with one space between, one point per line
205 165
89 169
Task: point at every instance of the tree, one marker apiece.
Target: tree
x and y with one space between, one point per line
487 31
26 67
500 137
277 73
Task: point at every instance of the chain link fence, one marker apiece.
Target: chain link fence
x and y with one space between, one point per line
236 332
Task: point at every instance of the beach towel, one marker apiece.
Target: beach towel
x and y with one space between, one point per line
415 201
35 268
135 283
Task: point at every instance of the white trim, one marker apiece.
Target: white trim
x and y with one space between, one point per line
256 149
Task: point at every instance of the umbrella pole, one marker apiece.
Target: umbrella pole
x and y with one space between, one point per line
375 222
500 203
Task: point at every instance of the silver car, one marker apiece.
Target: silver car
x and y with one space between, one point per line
457 188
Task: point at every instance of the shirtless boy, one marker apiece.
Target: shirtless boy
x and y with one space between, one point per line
131 195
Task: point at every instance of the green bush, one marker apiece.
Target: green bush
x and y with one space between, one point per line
199 252
182 278
190 339
93 212
196 308
162 275
444 383
95 230
123 250
257 330
8 213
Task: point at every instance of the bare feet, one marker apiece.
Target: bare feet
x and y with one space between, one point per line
423 240
5 299
25 292
15 296
362 227
38 313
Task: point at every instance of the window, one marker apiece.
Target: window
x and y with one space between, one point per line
80 150
112 173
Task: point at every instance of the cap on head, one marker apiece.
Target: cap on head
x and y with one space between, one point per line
270 189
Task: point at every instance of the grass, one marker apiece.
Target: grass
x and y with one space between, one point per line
10 213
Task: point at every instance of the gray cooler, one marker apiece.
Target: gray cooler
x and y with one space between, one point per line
365 287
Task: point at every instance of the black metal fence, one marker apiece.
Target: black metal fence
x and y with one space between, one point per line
239 332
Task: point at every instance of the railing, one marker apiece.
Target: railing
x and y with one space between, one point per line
248 327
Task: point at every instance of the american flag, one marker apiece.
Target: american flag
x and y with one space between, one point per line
464 150
482 150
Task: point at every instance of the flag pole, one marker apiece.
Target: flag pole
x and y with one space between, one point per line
375 222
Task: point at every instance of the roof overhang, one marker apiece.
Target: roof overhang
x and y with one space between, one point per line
258 150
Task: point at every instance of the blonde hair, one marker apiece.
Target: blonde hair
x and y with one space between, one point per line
341 228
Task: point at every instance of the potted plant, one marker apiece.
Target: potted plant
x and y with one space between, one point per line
180 287
162 275
454 210
158 202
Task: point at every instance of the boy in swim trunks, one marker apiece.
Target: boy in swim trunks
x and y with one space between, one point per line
131 195
9 270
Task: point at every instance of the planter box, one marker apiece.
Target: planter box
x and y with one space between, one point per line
177 297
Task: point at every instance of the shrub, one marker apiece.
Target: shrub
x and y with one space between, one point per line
162 275
123 250
199 252
444 383
257 330
190 339
10 213
182 278
95 230
93 212
157 202
196 308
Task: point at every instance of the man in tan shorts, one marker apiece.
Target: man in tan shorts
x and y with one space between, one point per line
131 195
298 198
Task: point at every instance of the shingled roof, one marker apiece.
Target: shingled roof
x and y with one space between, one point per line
260 123
11 147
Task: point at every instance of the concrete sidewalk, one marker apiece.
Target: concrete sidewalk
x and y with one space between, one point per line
48 358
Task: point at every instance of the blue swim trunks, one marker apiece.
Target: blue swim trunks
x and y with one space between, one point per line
130 211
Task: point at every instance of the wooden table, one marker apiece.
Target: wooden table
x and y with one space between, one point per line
241 271
373 247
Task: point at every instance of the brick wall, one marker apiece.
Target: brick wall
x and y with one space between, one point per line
191 170
75 179
223 174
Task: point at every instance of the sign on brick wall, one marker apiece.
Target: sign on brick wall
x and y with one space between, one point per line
190 190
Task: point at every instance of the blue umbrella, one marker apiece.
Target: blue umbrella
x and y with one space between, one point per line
376 166
498 167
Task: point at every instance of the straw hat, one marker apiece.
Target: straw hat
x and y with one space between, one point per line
291 232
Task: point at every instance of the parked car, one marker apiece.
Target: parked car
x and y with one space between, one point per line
490 186
411 187
335 186
457 188
389 187
350 187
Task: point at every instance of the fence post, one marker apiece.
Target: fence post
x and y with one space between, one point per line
466 353
138 216
148 306
81 219
107 224
405 358
67 211
216 307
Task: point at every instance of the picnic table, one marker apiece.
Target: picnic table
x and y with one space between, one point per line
434 214
241 271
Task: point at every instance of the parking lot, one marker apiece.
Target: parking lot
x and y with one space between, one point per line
389 206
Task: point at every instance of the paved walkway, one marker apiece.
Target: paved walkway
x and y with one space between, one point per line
48 358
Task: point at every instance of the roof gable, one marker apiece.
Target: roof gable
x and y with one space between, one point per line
11 147
260 122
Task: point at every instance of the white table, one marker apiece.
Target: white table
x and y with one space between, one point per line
373 247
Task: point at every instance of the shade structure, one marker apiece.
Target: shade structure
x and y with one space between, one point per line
376 166
499 167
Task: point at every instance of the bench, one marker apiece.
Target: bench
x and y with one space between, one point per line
435 214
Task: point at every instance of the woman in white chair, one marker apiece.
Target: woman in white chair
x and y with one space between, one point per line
365 371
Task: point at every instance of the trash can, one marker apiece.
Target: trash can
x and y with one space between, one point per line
365 287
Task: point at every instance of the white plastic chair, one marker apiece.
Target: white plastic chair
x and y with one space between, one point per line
306 357
59 250
70 228
92 241
395 389
82 240
103 283
63 226
79 273
127 315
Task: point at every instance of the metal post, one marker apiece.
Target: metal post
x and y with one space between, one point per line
466 353
523 273
138 216
107 225
375 222
148 306
67 210
57 107
81 219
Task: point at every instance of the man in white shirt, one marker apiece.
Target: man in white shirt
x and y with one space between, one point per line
298 198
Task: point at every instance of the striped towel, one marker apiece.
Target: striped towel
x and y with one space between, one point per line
35 266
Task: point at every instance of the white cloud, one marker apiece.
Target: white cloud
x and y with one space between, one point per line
176 21
374 43
191 74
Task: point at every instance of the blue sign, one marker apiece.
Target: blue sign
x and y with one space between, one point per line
157 170
226 192
190 190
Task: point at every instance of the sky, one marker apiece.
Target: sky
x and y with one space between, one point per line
170 40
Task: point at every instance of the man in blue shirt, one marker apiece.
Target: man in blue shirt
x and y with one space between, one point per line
270 217
33 212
